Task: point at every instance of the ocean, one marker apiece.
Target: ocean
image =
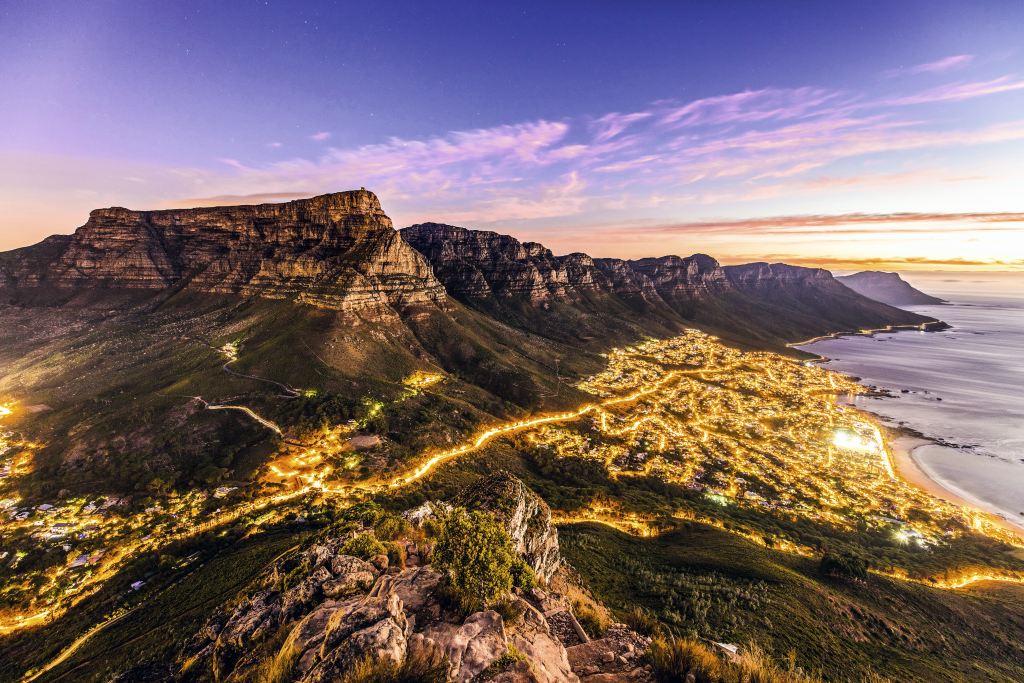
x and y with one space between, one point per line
965 385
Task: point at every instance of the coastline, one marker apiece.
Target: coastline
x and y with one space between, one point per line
908 469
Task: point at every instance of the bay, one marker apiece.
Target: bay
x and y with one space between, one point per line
963 386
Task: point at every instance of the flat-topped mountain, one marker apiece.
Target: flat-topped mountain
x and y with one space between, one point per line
889 288
337 251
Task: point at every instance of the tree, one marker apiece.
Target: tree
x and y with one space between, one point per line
476 553
848 565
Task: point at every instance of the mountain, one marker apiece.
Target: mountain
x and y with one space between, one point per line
889 288
336 251
767 305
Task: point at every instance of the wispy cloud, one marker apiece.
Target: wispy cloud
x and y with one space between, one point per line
748 106
320 136
887 263
748 146
775 224
959 91
940 66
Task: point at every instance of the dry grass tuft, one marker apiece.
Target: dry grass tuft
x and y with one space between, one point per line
419 667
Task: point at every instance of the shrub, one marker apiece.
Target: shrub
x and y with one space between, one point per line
510 657
293 578
641 621
391 527
476 554
396 555
589 619
507 609
522 574
364 547
847 565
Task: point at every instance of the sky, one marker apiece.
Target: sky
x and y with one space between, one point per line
844 135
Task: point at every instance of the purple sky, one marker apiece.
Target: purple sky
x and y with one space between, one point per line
843 134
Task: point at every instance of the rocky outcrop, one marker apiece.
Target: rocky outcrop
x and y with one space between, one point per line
683 282
889 288
475 646
287 619
337 251
525 516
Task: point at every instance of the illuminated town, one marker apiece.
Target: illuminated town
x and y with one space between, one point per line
745 429
751 429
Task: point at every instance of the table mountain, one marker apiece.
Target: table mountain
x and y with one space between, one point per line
337 251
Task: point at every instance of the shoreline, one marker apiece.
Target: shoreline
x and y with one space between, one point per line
911 471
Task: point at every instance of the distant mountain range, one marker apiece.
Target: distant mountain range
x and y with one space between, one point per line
340 252
889 288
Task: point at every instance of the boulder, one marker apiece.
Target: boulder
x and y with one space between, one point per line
384 640
298 601
380 562
530 633
359 614
416 589
518 672
348 584
346 564
252 621
304 641
475 646
525 516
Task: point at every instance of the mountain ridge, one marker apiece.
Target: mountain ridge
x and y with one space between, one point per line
889 288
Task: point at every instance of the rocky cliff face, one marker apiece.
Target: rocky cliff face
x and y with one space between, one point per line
475 264
336 251
683 282
889 288
525 516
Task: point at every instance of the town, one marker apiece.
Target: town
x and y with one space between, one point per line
748 429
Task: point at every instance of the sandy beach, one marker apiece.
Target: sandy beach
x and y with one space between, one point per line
908 470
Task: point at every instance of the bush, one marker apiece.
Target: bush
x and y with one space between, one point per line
390 527
589 619
396 555
476 554
847 565
364 547
522 575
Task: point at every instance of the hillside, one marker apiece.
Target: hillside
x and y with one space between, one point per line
889 288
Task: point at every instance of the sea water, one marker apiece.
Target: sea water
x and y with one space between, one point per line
965 385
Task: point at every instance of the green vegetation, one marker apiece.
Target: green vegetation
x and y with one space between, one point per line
476 554
684 660
174 610
364 547
847 565
696 581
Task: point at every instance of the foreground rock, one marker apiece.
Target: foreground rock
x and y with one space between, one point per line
315 616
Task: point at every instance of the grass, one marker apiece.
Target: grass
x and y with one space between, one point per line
699 581
419 667
155 631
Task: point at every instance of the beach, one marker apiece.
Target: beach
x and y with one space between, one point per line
908 469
